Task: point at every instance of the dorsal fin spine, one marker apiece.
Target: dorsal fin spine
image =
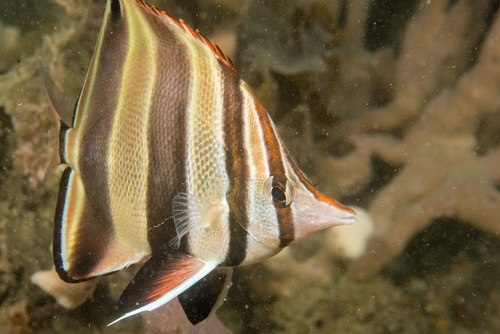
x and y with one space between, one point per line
205 40
189 32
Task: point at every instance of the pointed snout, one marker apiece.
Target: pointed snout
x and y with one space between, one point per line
320 212
333 214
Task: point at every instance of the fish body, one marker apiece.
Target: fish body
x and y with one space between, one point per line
172 157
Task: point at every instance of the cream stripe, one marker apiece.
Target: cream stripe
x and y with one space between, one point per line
128 150
71 151
206 175
254 136
206 153
254 141
260 210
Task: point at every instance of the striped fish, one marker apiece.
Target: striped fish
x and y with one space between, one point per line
172 157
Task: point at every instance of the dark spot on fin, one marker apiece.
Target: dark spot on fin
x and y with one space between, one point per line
199 301
116 11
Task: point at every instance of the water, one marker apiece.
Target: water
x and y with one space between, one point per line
391 108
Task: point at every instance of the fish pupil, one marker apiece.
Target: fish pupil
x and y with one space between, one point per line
278 195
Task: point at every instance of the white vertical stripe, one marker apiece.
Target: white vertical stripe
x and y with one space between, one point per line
257 153
128 148
263 222
206 159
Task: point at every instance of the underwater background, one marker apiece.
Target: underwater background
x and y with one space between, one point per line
389 106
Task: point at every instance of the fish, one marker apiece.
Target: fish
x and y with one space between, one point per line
172 159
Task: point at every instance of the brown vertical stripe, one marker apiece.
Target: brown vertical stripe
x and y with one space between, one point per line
97 108
236 166
93 234
287 231
276 167
93 241
166 134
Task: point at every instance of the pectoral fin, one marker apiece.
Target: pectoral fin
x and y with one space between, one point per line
161 278
192 212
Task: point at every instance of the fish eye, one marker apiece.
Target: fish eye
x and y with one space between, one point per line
278 195
279 191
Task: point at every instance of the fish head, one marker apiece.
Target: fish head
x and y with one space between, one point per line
286 208
270 197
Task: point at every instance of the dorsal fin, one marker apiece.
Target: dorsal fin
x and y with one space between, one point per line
190 33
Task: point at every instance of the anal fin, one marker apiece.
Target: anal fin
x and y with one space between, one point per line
162 278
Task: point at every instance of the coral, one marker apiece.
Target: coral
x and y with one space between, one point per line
68 295
9 39
22 95
405 125
350 241
444 171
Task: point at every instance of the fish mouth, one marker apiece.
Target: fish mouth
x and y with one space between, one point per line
335 215
328 214
348 220
327 211
322 215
